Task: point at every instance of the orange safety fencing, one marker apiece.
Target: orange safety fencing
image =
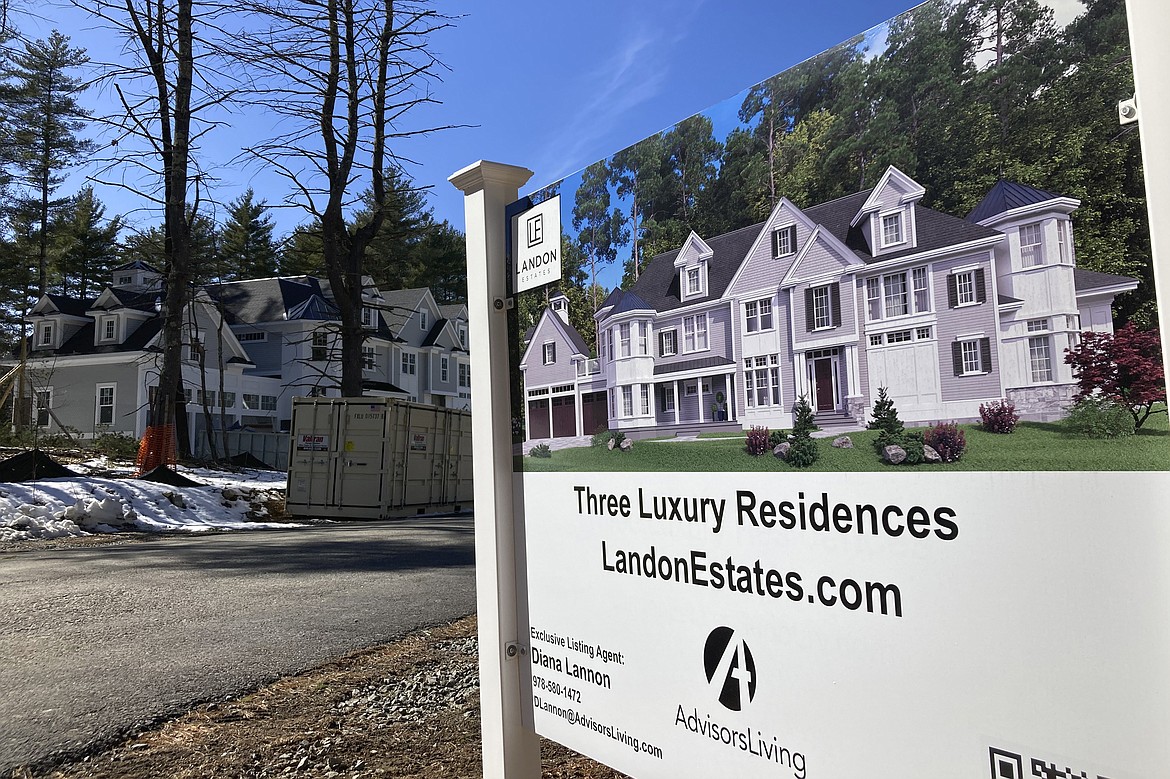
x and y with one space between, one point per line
156 448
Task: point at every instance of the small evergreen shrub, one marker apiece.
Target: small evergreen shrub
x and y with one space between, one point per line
777 437
540 450
602 437
803 419
910 442
804 452
1095 416
885 420
998 416
117 445
757 441
948 439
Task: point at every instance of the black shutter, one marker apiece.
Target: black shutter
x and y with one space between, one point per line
985 353
791 230
957 357
809 315
980 286
952 291
661 344
775 243
835 305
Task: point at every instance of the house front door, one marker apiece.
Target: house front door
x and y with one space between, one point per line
823 381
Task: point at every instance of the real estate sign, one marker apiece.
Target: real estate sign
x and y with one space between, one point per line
839 482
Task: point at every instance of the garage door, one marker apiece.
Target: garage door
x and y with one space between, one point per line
564 417
909 373
538 419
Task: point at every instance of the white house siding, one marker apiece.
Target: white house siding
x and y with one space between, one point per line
75 394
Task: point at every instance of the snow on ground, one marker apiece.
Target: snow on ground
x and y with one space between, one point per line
52 508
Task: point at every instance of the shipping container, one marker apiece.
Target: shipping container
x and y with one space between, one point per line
370 458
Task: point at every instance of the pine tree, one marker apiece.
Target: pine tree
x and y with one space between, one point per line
46 122
803 419
246 246
885 416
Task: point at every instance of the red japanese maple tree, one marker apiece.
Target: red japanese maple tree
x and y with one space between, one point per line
1125 366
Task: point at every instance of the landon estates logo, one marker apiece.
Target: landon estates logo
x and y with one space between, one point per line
730 668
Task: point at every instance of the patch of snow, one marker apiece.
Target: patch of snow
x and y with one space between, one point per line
53 508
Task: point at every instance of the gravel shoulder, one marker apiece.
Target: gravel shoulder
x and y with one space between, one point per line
407 709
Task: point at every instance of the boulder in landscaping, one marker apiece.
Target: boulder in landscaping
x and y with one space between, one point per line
930 454
843 442
626 445
782 449
610 444
894 455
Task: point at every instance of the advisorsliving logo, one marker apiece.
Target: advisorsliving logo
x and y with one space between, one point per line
730 667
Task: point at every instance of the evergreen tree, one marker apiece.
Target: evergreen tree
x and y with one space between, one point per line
247 248
885 416
803 419
440 254
46 122
600 229
391 257
301 253
85 244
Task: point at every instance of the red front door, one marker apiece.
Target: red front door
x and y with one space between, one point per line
823 375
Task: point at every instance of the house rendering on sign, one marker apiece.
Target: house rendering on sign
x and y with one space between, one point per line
832 302
249 346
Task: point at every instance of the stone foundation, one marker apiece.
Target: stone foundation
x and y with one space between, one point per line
1043 404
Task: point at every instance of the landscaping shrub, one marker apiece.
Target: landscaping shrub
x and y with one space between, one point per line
885 416
1095 416
947 439
804 452
118 445
998 416
909 441
540 450
803 419
603 437
777 437
757 441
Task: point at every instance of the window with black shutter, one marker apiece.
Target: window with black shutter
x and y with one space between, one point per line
980 286
835 305
822 307
784 241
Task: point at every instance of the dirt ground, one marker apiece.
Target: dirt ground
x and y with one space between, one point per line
408 709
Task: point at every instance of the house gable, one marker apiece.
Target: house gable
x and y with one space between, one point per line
778 243
693 265
552 352
887 218
823 257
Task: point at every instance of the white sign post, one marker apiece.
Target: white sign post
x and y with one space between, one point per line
509 748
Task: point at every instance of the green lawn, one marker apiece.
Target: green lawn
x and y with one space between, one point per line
1034 446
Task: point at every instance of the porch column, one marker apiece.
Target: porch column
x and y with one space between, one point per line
727 379
699 395
677 400
550 421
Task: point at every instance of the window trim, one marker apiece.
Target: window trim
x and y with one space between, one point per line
422 320
409 364
112 386
109 322
698 278
695 332
898 214
982 346
48 333
978 287
789 231
37 408
1035 250
668 335
1044 340
755 322
548 353
369 358
445 369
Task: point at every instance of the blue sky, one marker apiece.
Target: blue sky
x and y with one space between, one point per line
554 86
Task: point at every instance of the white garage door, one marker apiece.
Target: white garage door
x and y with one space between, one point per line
909 373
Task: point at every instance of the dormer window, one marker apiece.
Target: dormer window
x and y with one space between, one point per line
893 230
125 281
46 334
694 282
784 241
422 321
369 319
109 328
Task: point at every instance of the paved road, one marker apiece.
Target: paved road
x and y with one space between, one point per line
94 641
